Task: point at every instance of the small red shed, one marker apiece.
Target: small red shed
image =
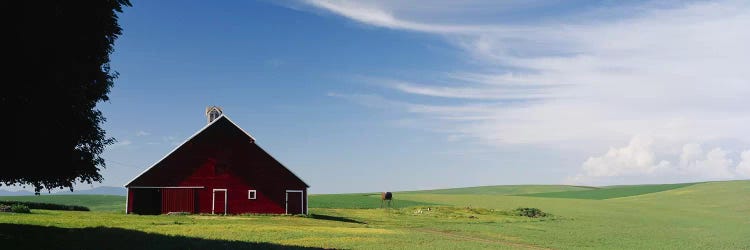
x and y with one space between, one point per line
218 170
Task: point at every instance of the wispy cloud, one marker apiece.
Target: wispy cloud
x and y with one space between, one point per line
591 77
676 71
120 144
142 133
473 92
370 13
171 140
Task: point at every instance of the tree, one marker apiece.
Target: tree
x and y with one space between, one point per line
61 72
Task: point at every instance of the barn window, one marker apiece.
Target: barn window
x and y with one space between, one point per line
251 194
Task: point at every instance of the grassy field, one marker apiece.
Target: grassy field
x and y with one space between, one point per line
610 192
368 200
504 190
113 203
712 215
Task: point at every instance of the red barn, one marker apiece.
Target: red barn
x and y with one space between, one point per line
219 170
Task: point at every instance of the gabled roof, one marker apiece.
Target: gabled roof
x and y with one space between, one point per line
252 140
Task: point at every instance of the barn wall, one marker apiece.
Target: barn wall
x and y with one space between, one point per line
223 157
129 206
178 200
270 192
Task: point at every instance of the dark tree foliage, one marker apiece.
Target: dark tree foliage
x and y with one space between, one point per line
61 72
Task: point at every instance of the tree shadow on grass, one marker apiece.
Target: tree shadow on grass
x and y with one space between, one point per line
19 236
335 218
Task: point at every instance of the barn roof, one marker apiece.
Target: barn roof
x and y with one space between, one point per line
215 121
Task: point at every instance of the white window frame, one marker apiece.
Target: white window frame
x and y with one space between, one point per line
254 192
213 200
286 200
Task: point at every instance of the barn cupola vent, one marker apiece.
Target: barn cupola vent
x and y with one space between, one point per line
213 112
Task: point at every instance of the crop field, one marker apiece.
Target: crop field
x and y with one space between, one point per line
711 215
112 203
505 189
368 200
610 192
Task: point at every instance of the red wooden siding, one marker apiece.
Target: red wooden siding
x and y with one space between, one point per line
219 203
221 156
178 200
129 206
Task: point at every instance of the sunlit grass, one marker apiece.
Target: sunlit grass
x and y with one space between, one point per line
610 192
93 202
713 215
368 200
504 189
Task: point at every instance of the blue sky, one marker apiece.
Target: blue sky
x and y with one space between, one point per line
393 95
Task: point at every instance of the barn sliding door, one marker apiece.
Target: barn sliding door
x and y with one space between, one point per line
178 200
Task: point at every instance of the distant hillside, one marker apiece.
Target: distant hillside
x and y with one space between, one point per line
110 203
15 193
503 189
105 190
611 192
372 200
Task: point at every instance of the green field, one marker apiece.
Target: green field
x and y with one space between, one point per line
504 190
711 215
113 203
610 192
368 200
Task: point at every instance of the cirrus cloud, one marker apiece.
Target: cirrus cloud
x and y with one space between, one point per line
586 77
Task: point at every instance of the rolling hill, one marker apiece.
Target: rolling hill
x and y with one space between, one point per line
611 192
709 215
108 203
503 189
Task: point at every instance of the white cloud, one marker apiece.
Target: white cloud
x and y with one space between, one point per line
142 133
712 165
469 92
636 158
675 72
371 13
120 144
585 78
743 169
171 140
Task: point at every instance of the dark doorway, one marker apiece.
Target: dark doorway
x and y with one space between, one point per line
294 202
146 201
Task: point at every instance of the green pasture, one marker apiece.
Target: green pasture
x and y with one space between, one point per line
367 200
711 215
114 203
504 189
610 192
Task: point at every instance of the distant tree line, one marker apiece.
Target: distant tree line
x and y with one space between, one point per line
47 206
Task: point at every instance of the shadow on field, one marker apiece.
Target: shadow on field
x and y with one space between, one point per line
18 236
335 218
